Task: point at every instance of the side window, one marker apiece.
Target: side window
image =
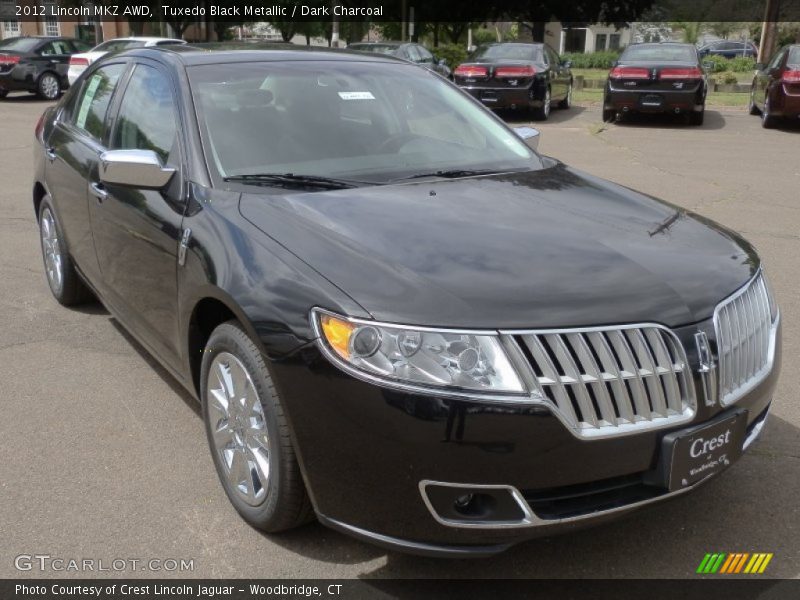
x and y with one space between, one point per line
94 98
413 54
147 114
55 48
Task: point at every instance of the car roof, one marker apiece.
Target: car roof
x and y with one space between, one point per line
386 43
141 38
215 53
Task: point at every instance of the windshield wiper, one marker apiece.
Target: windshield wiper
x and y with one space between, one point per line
451 174
292 179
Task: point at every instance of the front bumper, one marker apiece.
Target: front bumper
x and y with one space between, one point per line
366 452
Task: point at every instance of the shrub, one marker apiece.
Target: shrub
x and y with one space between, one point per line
593 60
726 77
720 63
454 54
742 64
483 36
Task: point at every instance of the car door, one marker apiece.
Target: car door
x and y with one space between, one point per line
54 56
137 231
72 149
558 80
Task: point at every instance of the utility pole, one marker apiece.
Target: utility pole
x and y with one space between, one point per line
769 30
334 27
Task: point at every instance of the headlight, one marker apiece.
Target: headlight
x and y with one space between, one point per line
418 356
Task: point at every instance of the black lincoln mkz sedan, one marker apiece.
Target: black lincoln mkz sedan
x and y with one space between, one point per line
396 314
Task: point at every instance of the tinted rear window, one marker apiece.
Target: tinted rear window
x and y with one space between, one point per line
20 44
665 52
794 56
508 52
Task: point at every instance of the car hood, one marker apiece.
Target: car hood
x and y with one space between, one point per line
548 248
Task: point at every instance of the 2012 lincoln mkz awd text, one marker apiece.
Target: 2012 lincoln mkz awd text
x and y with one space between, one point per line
397 315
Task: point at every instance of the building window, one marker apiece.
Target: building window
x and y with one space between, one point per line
600 41
50 24
613 41
10 26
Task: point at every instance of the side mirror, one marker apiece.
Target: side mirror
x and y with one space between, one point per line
442 62
567 64
529 135
759 66
134 168
708 65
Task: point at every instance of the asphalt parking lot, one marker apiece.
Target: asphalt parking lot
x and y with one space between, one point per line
104 456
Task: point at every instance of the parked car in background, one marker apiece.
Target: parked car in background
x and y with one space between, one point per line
775 92
79 62
657 78
517 76
37 64
410 51
728 49
397 315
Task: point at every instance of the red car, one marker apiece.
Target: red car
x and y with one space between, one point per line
775 93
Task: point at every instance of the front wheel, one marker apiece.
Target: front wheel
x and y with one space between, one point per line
248 434
752 108
48 87
567 101
543 112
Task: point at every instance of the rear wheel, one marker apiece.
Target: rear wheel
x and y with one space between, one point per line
543 112
767 120
64 281
248 434
696 118
3 94
48 87
609 115
567 101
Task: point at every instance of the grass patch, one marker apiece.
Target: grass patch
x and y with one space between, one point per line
591 96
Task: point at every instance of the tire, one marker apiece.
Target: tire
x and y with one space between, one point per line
767 120
567 101
3 94
48 86
543 112
696 118
65 284
752 108
250 444
609 115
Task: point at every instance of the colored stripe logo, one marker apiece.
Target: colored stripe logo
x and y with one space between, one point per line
735 563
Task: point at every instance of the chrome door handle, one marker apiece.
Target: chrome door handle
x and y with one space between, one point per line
50 152
98 191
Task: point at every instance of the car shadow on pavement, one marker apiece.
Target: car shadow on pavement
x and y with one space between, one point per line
713 120
165 375
26 97
557 115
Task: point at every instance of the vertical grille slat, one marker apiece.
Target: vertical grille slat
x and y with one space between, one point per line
744 340
615 380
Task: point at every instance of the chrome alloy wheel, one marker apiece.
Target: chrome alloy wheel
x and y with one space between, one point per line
51 248
49 86
546 105
238 428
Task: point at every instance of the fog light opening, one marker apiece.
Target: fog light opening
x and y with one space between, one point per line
472 505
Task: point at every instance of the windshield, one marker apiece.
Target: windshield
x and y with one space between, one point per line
19 44
377 48
346 120
660 53
118 45
508 52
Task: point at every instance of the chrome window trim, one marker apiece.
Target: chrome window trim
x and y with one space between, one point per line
756 380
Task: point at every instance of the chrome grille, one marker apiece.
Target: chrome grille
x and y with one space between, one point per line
745 340
612 381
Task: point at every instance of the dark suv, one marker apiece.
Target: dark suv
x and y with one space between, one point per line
37 64
729 49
